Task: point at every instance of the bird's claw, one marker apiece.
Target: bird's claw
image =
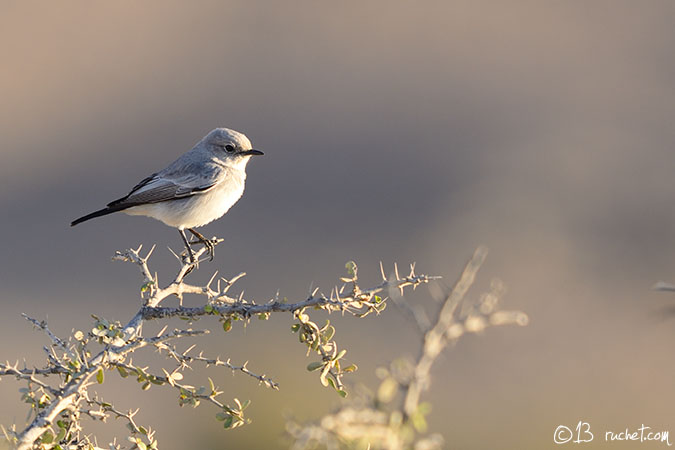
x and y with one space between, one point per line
210 245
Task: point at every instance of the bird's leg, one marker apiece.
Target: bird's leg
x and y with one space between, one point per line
209 245
187 245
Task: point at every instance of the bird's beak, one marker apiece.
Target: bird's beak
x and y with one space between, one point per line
252 152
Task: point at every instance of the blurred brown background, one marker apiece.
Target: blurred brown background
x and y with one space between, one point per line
393 131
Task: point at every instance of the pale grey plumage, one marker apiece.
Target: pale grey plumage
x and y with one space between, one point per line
197 188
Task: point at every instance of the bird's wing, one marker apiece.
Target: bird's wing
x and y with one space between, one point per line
164 186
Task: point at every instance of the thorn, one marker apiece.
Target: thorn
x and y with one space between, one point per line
174 254
412 270
150 253
161 332
396 271
237 277
190 348
211 280
384 278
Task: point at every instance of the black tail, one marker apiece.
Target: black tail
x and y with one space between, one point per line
99 213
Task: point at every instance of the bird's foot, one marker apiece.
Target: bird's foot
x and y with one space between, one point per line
191 255
210 244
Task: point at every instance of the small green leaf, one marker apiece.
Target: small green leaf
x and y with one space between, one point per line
419 422
315 365
143 430
47 437
221 416
329 333
147 286
123 372
228 422
342 393
146 386
227 325
59 437
208 308
99 376
351 268
340 355
350 368
295 328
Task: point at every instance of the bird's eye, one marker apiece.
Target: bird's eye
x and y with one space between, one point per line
229 148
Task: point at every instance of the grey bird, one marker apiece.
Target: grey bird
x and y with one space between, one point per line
196 189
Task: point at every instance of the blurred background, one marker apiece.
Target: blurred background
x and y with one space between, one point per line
392 131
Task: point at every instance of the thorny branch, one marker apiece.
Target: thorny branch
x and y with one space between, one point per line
452 323
183 360
374 420
73 367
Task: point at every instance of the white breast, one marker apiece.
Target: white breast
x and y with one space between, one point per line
197 210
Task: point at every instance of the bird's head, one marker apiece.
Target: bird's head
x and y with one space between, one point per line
229 146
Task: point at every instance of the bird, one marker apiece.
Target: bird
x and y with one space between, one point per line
194 190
